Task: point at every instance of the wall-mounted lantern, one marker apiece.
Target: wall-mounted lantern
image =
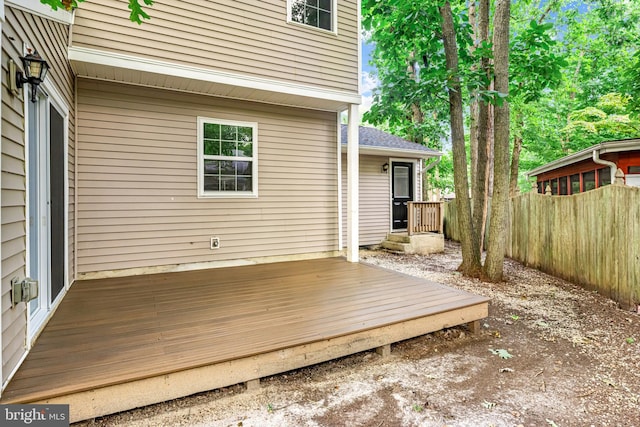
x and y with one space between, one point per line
385 168
35 70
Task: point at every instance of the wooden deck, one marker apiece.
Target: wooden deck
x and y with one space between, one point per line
118 343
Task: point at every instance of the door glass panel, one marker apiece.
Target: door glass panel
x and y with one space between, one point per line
56 202
34 201
401 181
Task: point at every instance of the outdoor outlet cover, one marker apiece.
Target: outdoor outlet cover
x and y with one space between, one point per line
215 242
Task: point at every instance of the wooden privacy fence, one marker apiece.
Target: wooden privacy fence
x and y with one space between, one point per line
591 238
424 217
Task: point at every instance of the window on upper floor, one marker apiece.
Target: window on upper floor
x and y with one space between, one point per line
227 158
314 13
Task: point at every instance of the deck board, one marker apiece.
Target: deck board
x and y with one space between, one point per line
116 330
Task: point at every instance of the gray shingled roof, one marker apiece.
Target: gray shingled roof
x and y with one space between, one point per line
375 138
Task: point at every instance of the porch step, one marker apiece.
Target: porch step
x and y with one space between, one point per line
397 246
398 237
424 244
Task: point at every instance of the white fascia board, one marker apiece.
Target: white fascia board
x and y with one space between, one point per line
587 153
35 7
388 151
113 59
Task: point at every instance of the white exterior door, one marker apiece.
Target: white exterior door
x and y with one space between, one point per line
45 168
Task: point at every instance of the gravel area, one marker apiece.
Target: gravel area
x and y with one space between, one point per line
549 354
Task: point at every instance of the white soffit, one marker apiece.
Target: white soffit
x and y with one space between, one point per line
35 7
97 64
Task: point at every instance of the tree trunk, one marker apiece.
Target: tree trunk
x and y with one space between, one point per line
479 179
417 116
515 157
470 256
473 108
515 160
494 264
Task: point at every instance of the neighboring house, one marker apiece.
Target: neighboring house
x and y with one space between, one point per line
591 168
391 174
208 135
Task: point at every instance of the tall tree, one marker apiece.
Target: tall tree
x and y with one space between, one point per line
458 62
493 268
470 253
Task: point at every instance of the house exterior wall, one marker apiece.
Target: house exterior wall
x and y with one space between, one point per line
375 199
50 39
137 193
240 37
623 161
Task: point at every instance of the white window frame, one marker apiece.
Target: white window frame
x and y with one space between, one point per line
201 158
334 18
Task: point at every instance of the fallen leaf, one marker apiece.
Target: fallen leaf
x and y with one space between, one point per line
504 354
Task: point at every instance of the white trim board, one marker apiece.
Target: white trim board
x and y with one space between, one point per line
35 7
119 60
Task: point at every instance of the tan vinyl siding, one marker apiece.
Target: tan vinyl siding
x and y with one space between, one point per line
138 204
50 39
244 37
375 202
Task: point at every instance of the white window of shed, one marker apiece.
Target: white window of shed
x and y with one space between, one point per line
227 158
319 14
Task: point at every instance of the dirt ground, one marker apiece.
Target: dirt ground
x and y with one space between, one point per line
549 354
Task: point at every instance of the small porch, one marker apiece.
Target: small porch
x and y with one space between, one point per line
424 233
119 343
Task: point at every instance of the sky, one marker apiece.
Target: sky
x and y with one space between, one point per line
368 80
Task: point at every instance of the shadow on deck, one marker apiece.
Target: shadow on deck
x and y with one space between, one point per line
119 343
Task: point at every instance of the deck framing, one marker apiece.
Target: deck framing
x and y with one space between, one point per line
116 344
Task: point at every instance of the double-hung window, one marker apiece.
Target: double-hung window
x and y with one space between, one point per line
227 158
315 13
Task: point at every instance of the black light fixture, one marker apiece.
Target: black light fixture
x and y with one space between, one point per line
385 167
35 70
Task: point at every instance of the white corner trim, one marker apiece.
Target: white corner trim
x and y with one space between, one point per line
1 20
35 7
113 59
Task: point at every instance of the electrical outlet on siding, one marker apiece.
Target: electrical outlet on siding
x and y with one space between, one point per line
215 243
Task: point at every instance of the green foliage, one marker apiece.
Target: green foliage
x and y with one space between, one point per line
592 125
137 12
534 65
441 177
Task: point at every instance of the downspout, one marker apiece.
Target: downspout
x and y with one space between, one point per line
613 166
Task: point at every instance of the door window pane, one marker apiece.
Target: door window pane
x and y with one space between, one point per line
401 181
